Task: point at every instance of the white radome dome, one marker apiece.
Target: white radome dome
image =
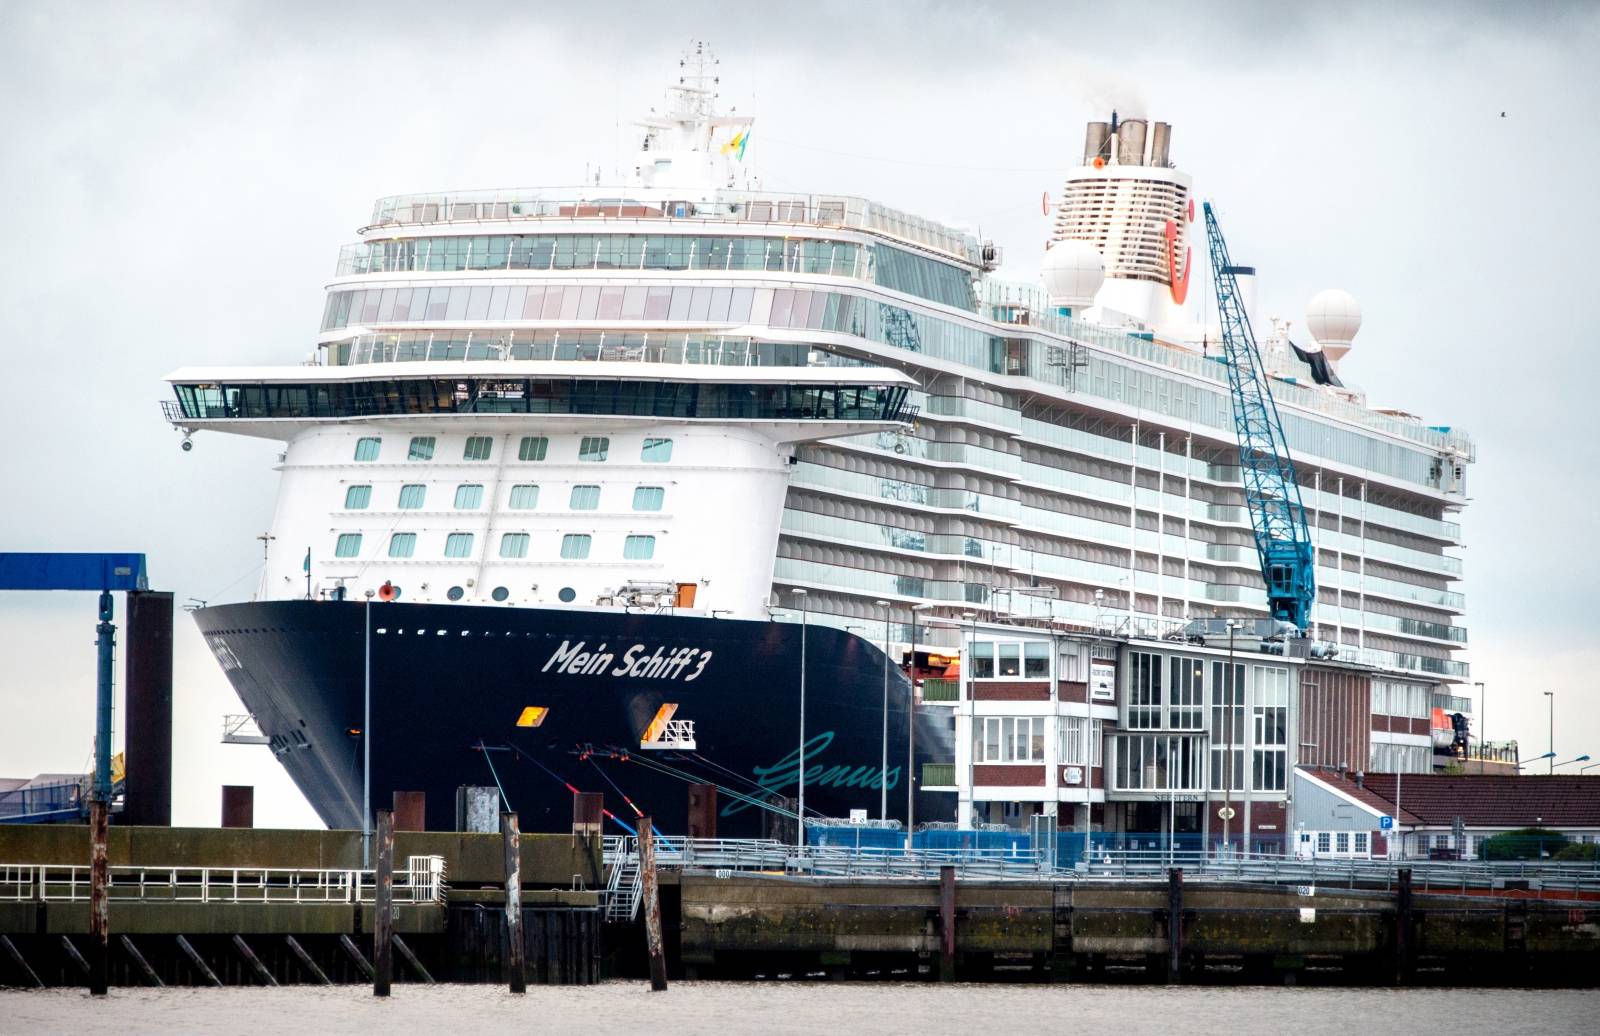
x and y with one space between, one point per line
1073 271
1333 317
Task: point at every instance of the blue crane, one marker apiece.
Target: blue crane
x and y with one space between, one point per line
1277 517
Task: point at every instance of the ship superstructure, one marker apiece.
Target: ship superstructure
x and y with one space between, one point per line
682 400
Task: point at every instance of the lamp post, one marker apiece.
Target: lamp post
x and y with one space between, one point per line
1589 767
968 675
1551 697
911 727
1231 683
801 808
1580 759
1483 719
366 735
883 769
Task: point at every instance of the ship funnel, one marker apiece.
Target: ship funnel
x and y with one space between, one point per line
1096 142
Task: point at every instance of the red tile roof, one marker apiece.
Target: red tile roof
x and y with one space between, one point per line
1492 800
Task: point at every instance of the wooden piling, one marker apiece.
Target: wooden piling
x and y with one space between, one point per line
99 899
305 958
947 924
77 958
383 914
144 965
1175 925
255 962
1402 928
356 955
411 958
652 907
21 961
198 962
516 964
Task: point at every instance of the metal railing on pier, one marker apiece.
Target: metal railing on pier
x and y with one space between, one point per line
420 881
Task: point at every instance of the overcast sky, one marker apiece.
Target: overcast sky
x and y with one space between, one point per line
179 178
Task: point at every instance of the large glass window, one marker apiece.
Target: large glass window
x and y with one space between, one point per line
469 497
524 497
356 498
421 448
533 447
656 451
1144 691
594 448
648 498
402 544
1227 726
1010 658
584 498
1036 660
1073 735
458 545
1270 715
514 545
982 659
412 497
478 447
575 546
639 548
1008 739
348 545
1186 693
367 449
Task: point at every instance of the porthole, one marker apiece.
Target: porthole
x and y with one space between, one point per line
500 593
567 595
455 593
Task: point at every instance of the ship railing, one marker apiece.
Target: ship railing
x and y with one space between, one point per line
421 881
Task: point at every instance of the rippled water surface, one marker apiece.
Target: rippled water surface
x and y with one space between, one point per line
795 1007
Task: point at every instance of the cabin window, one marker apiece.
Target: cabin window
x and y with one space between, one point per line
514 545
594 448
639 548
478 448
524 498
412 496
656 451
458 545
421 448
402 544
533 448
367 449
469 497
575 546
348 545
585 498
648 498
357 498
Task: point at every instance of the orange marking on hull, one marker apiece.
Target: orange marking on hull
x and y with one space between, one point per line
1180 289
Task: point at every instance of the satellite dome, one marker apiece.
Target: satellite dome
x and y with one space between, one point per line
1333 317
1073 271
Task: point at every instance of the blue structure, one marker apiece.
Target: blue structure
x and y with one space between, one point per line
102 572
1277 517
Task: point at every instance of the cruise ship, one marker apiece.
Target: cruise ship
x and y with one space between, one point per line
625 489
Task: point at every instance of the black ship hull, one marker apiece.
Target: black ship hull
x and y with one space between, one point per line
450 682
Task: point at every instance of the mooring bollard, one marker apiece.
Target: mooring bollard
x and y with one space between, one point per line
383 913
99 899
516 967
652 907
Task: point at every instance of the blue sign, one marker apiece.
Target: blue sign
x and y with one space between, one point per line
1386 822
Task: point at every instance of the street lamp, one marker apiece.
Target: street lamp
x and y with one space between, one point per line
1551 695
911 726
883 769
1483 719
1537 759
1231 683
1581 759
1589 767
801 596
967 702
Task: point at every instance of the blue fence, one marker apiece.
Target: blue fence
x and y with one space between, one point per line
1025 844
45 803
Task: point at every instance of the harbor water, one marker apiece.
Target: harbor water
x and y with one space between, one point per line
801 1007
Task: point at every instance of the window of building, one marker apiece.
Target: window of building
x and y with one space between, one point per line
1036 660
402 544
356 498
1324 842
348 545
656 451
1361 843
1185 693
1270 716
1156 762
469 497
421 448
1010 659
594 448
1008 739
1341 842
367 449
1144 691
983 660
524 497
1227 725
412 496
639 548
648 498
584 498
478 447
514 545
533 448
1072 748
575 546
458 545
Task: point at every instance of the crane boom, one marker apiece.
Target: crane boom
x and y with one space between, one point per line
1277 517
